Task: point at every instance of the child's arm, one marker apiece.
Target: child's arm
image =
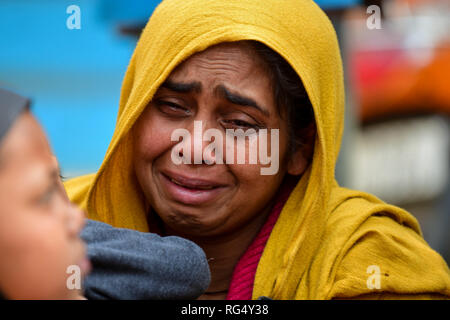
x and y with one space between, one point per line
128 264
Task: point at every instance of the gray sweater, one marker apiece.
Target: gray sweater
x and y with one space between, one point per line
133 265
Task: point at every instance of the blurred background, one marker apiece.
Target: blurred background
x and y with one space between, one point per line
396 57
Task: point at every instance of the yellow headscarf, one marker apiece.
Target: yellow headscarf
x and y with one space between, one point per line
326 238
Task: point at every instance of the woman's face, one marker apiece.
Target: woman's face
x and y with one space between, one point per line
38 225
224 87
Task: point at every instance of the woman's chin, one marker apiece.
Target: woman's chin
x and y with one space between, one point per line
191 221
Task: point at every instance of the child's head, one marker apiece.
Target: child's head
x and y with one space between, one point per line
38 225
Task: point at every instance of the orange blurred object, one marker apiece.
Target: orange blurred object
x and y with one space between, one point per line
390 83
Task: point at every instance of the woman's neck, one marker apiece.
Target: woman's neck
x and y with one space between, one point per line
223 253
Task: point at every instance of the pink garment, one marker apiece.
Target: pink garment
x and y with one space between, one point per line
241 286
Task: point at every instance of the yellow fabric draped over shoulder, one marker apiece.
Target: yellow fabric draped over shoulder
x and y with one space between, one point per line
326 237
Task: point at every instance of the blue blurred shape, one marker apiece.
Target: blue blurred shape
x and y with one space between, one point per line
72 76
128 11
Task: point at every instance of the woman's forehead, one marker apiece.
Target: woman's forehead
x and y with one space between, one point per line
235 58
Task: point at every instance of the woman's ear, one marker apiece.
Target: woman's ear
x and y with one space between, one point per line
301 158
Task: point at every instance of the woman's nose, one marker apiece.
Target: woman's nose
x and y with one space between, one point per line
202 148
199 145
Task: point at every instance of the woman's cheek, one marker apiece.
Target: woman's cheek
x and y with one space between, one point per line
153 139
250 181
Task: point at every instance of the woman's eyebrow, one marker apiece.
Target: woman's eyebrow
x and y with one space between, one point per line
182 87
196 86
239 99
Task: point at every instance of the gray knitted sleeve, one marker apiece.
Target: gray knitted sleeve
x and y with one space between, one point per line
133 265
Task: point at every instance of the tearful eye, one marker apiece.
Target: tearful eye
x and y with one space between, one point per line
171 108
240 124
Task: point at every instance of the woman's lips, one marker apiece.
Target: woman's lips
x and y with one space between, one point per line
190 191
